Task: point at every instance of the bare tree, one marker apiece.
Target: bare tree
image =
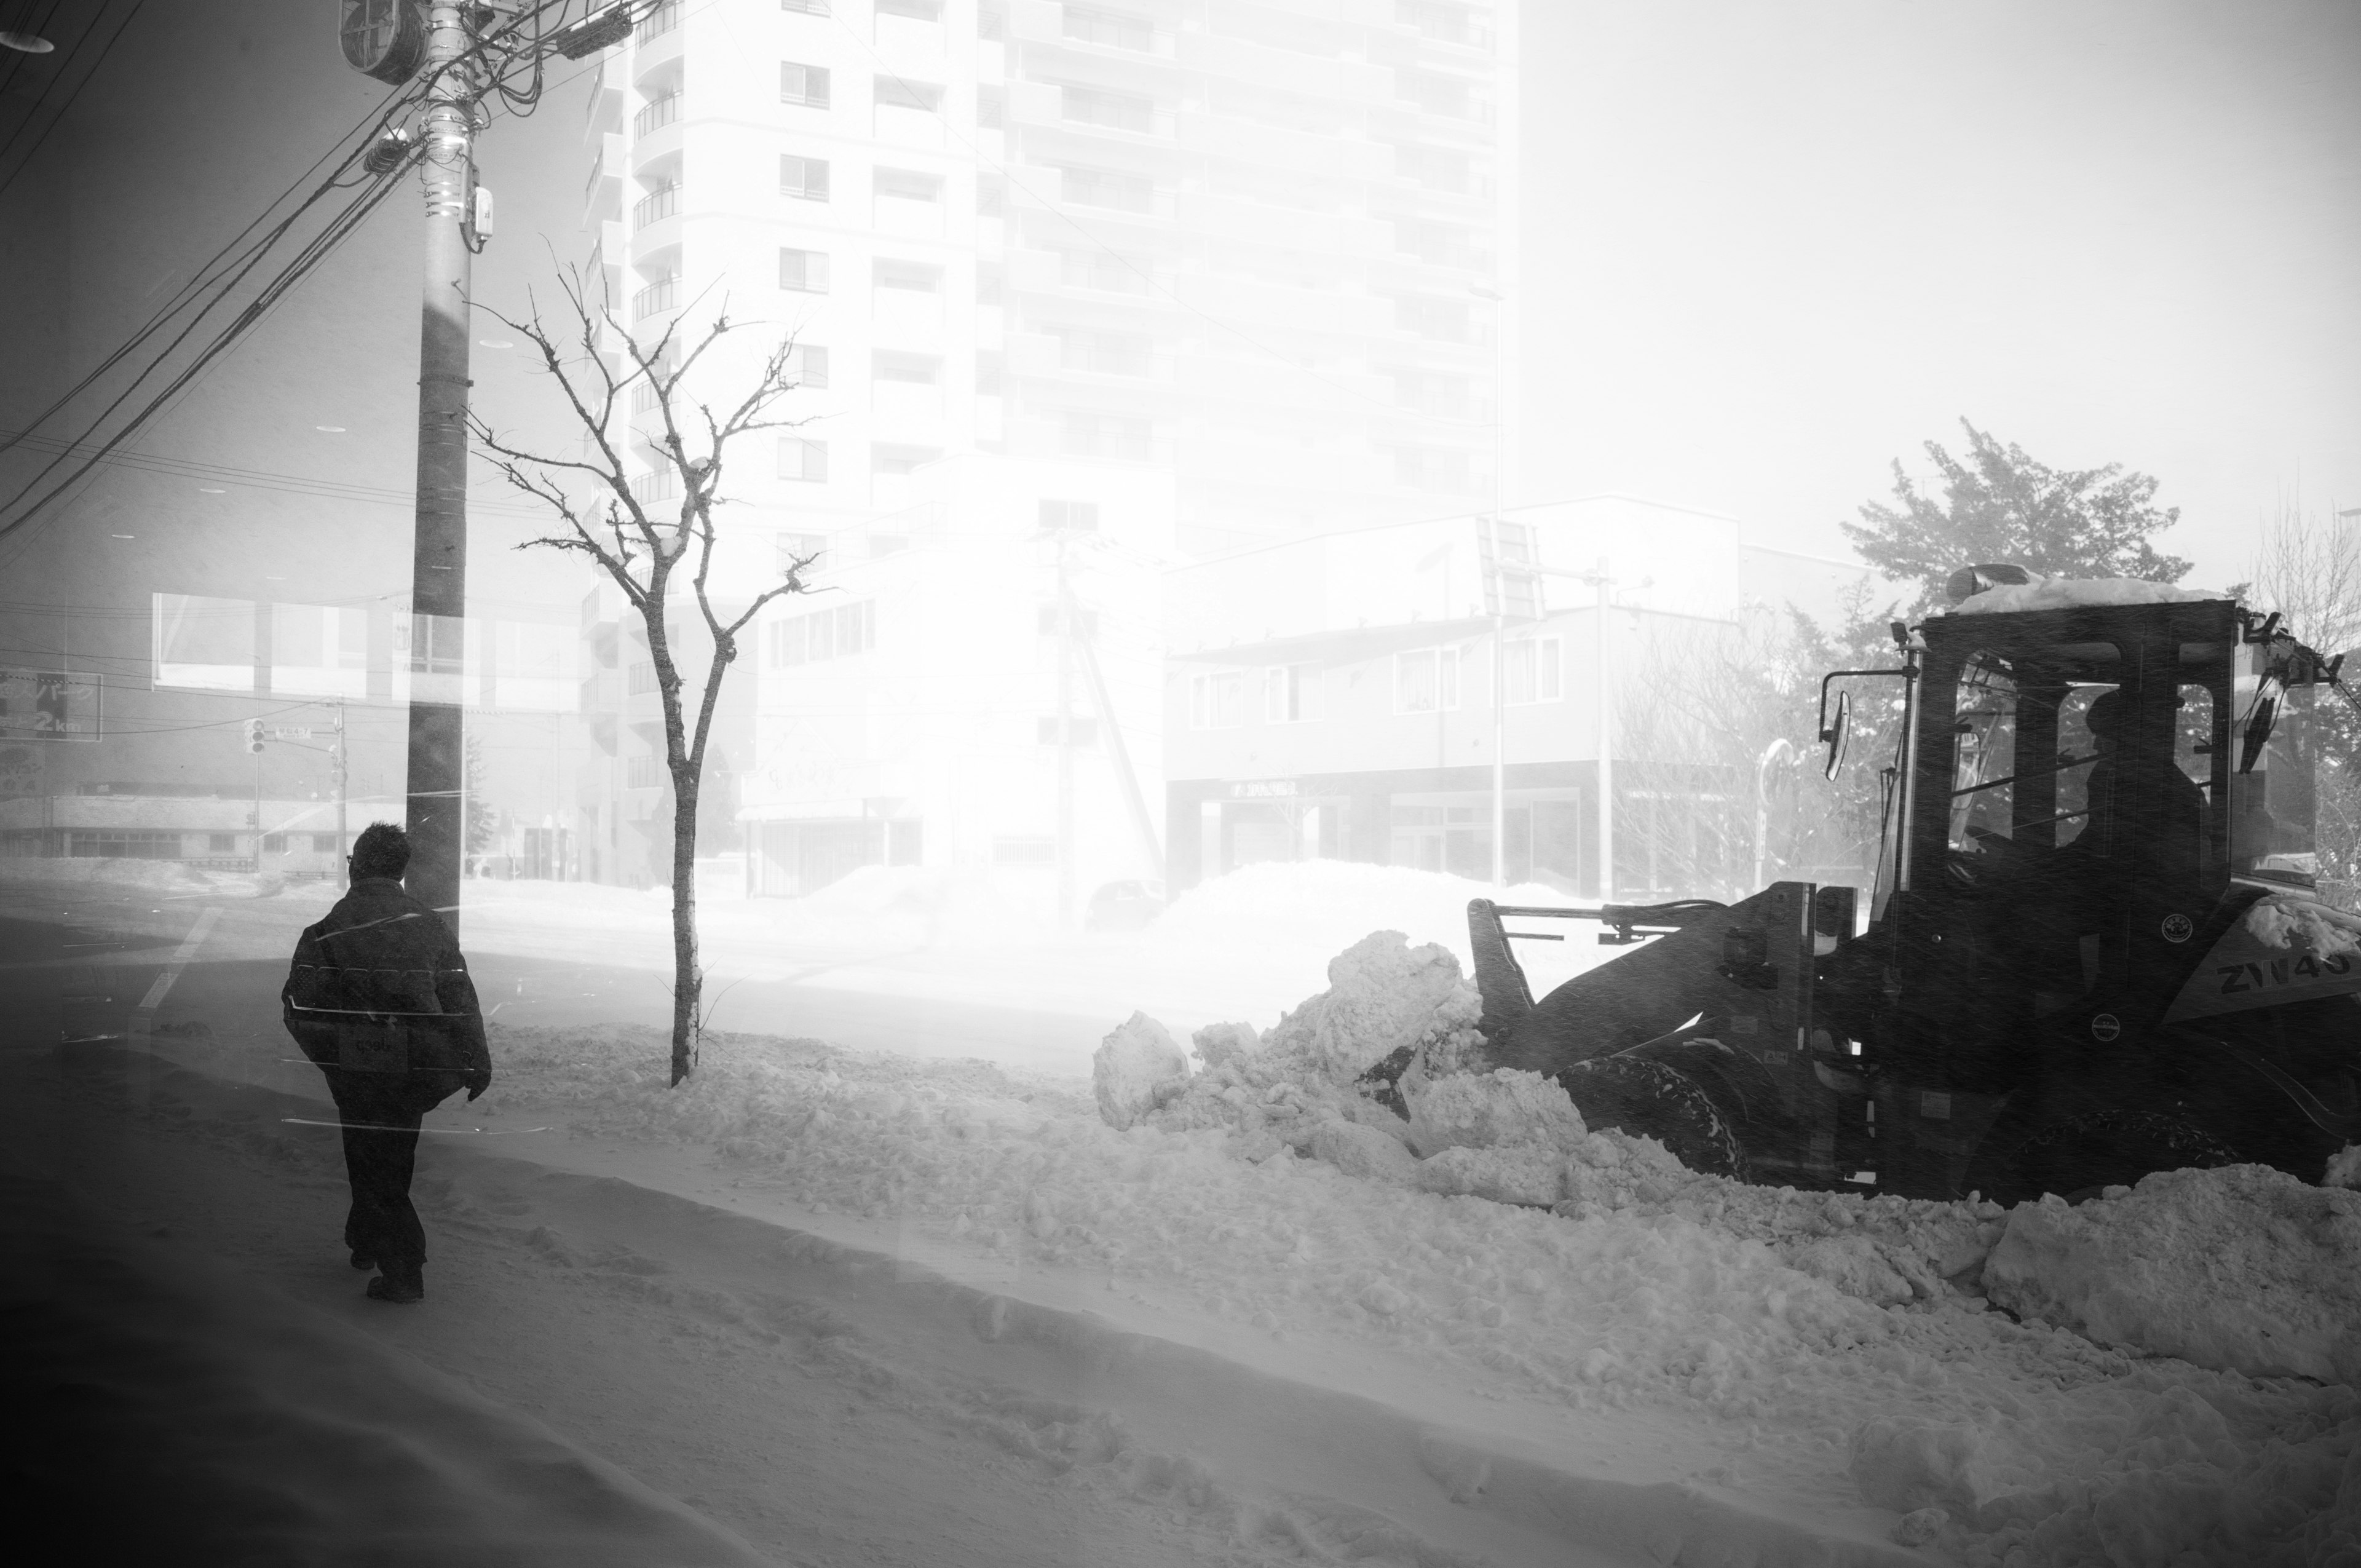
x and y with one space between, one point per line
646 556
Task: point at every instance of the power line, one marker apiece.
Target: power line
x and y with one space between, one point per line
314 252
113 38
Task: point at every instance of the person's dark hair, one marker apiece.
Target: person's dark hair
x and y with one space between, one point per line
2106 713
381 850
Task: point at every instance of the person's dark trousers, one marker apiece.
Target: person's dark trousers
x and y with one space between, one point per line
380 1113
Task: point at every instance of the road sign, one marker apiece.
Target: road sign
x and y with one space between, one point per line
47 705
292 732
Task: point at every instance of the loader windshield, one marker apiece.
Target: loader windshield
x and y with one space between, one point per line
1983 777
2271 805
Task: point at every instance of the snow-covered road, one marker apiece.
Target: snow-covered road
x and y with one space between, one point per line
1062 1342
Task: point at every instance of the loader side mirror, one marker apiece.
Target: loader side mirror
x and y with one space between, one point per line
2257 733
1838 733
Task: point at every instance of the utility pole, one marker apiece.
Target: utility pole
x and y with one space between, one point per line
344 773
438 589
1065 742
1606 698
1500 684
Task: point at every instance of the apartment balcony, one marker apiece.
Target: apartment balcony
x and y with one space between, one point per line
1283 70
1274 307
602 193
655 206
1284 151
604 112
1293 228
655 116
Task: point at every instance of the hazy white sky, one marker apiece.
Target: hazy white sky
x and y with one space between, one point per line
1771 247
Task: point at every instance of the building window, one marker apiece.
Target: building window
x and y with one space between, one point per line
640 772
1085 433
1217 701
1117 111
1283 694
804 84
1436 167
918 277
1104 272
991 196
991 108
1431 393
918 10
888 457
1443 320
274 843
803 459
1443 20
805 553
808 7
837 632
1119 28
907 185
1430 468
805 179
1426 681
988 282
807 363
1105 188
1454 97
990 365
1074 516
1106 353
806 270
918 370
1025 852
324 843
221 843
895 92
990 24
640 679
1534 669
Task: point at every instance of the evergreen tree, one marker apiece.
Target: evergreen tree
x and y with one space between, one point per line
1998 504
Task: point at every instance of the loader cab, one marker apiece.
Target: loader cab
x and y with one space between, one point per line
2084 791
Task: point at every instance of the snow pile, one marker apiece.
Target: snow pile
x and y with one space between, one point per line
1137 1070
2287 922
1669 1289
1385 998
2243 1269
2060 593
168 878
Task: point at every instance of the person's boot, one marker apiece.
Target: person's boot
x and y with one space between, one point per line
402 1287
362 1259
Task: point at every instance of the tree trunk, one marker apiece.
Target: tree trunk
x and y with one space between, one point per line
687 982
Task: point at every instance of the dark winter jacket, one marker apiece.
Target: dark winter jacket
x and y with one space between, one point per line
379 986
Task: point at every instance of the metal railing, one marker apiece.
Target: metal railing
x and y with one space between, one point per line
656 205
657 114
658 296
662 20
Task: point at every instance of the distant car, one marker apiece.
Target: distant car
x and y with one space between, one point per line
1124 907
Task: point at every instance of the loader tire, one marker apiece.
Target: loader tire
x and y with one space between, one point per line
1648 1098
2081 1156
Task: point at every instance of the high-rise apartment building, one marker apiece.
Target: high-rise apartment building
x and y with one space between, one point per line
1204 272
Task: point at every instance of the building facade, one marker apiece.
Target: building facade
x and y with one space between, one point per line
1345 697
1076 291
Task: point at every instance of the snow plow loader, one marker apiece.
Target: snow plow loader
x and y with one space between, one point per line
2095 946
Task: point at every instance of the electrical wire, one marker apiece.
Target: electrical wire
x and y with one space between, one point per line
61 71
339 228
18 61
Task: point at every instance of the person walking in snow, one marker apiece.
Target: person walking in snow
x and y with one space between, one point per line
380 1000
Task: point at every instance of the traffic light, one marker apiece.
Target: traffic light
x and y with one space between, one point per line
254 735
